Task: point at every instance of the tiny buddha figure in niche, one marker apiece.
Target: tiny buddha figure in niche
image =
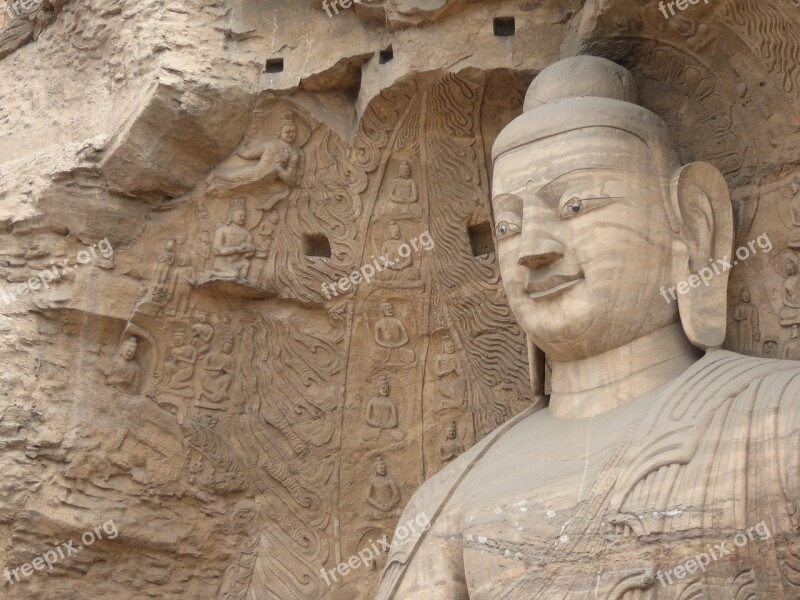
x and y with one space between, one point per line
451 446
382 415
794 212
125 373
404 195
233 244
184 278
218 373
401 265
391 336
791 349
383 493
451 385
656 444
166 258
745 317
790 313
202 332
179 367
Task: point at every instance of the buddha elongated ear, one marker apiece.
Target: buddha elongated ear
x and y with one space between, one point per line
701 199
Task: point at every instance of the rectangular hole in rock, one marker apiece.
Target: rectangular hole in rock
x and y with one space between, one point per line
317 246
505 26
274 65
385 55
480 239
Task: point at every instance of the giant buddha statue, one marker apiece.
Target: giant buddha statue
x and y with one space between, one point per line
664 467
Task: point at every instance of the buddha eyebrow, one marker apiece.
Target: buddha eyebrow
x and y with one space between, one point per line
554 188
507 203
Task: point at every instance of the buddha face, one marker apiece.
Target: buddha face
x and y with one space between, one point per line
791 267
239 216
405 170
169 244
288 133
383 388
227 347
380 468
388 309
178 339
129 349
394 232
584 241
451 431
745 295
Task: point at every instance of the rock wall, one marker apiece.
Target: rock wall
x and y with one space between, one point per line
187 190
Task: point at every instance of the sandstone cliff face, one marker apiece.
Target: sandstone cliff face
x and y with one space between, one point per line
185 190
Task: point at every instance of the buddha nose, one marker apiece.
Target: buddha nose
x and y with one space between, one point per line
539 251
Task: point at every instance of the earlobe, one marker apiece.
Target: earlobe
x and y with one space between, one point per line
701 202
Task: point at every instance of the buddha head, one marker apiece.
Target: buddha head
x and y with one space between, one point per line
237 212
178 337
128 350
288 128
383 386
405 169
594 213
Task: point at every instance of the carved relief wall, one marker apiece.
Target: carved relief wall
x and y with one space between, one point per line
215 385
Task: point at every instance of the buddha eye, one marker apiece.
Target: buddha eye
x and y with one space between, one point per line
572 208
578 206
505 229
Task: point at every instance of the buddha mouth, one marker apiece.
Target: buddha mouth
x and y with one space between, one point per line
551 285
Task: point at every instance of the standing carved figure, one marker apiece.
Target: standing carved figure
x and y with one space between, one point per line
794 212
745 318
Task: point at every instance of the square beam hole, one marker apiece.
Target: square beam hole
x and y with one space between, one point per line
480 239
317 246
385 55
274 65
505 26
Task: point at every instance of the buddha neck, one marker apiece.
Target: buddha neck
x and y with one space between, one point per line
591 386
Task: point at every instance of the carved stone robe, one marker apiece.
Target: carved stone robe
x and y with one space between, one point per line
529 514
